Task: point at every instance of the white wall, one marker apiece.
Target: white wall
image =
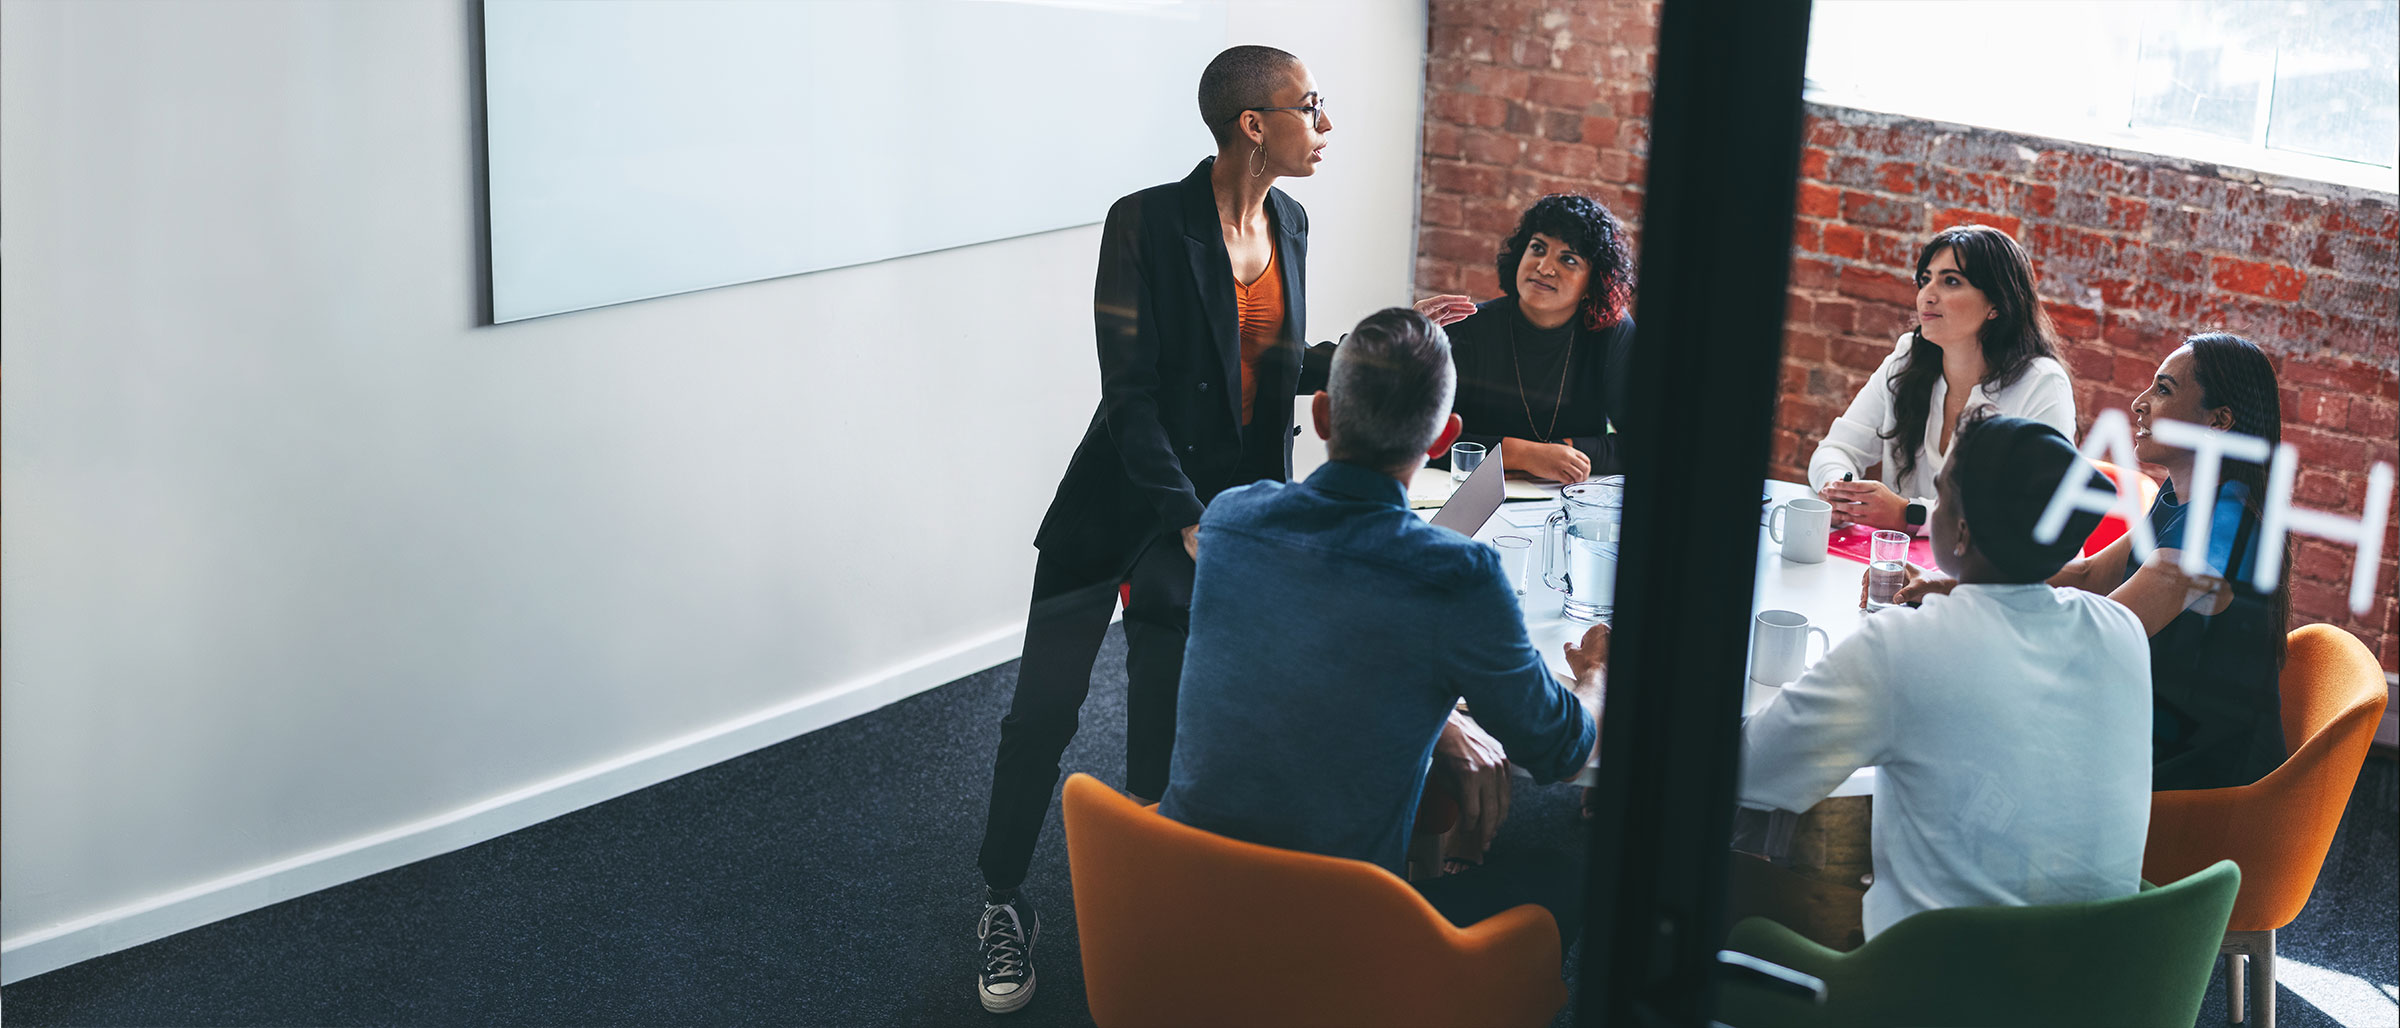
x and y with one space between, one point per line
642 148
307 575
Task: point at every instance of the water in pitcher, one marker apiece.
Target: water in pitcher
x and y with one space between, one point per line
1883 581
1591 572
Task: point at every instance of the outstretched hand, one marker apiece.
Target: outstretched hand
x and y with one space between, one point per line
1590 659
1590 664
1446 308
1916 583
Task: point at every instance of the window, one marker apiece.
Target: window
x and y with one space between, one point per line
2305 88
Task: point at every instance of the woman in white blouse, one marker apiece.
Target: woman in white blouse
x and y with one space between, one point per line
1981 340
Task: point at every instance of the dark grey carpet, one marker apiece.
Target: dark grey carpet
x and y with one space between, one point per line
2351 926
828 880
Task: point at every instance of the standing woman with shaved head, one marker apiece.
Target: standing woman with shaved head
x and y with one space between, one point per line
1200 312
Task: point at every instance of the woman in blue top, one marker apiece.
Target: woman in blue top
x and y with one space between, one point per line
2216 642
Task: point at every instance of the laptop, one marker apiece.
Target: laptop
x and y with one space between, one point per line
1473 502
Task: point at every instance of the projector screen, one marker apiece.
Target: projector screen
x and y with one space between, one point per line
640 148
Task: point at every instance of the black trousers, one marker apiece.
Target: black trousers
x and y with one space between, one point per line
1062 637
1554 880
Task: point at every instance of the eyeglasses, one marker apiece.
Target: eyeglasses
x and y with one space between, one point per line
1313 111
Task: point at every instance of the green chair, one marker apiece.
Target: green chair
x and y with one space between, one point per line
2137 960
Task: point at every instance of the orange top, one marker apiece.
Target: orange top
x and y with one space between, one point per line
1261 307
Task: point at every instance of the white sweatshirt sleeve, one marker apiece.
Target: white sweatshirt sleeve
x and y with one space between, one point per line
1816 731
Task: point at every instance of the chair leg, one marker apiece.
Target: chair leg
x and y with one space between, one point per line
2262 980
2237 975
2250 978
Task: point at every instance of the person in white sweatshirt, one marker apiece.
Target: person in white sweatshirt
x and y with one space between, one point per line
2008 721
1981 339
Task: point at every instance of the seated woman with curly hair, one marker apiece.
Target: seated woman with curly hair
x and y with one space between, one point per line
1541 370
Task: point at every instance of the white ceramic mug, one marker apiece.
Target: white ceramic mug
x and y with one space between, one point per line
1802 526
1779 646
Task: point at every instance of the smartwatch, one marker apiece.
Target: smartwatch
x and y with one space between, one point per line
1915 515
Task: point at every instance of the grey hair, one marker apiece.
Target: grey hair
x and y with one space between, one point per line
1240 78
1391 387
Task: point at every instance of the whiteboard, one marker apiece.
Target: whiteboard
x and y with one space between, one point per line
641 148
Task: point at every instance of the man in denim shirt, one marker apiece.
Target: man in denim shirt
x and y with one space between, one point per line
1333 633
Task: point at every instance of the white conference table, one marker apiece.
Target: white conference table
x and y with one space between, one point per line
1827 592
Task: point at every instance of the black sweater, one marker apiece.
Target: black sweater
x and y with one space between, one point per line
1495 349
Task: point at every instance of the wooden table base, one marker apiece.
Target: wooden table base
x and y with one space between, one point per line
1817 886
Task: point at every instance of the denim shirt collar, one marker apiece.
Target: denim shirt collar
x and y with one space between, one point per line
1357 481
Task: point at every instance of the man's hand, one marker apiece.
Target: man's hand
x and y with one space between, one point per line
1191 541
1446 308
1558 462
1474 767
1589 660
1867 503
1916 583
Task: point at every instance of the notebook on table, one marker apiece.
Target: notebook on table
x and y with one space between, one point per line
1852 541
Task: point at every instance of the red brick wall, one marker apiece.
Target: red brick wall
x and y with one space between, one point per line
2133 251
1524 99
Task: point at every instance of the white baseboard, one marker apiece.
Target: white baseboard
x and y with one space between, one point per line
157 917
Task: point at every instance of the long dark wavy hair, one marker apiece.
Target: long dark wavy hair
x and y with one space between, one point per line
2012 341
2234 373
1587 227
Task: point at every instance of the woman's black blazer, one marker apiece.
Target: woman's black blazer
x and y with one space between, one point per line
1167 436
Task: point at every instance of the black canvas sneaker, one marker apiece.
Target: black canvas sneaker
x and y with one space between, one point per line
1006 932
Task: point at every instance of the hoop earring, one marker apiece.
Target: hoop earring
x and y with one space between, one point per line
1261 155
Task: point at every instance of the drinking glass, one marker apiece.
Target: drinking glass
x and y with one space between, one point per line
1464 459
1887 560
1513 551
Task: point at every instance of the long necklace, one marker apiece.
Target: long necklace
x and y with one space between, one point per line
1515 366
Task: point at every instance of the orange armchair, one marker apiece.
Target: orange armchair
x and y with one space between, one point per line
1185 927
2279 827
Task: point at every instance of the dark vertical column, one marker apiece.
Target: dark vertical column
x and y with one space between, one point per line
1716 245
479 145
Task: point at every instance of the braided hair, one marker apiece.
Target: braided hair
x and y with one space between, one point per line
1995 264
1587 227
2234 373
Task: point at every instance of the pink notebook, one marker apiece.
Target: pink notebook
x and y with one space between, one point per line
1852 542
